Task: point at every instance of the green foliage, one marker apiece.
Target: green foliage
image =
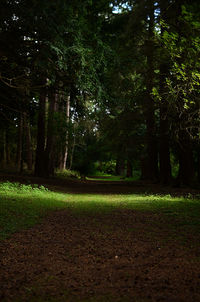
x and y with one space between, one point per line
67 174
108 167
99 59
183 48
19 188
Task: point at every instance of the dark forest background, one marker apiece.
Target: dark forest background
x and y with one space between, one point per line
101 85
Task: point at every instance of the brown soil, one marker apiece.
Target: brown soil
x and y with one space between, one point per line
124 255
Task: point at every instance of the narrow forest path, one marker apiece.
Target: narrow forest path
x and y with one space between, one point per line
123 255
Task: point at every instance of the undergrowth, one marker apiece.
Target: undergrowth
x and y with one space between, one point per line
67 174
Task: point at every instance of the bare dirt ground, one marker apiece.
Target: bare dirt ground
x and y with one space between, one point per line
123 255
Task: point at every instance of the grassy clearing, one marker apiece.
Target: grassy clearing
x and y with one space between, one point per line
108 177
69 174
21 206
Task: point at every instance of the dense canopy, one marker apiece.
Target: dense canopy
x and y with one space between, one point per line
108 85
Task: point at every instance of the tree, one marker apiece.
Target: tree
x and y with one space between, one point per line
120 76
181 40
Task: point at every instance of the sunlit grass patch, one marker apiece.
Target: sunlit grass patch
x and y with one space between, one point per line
111 178
22 206
67 174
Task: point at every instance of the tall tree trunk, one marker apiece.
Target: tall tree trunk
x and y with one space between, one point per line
186 173
29 155
129 169
120 166
72 150
20 144
66 146
164 150
41 133
8 158
4 161
198 167
149 108
49 151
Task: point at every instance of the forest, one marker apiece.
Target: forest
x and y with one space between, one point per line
101 85
99 151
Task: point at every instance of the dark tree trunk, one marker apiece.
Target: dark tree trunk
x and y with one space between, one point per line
29 152
186 173
196 150
149 108
8 157
198 168
165 165
40 156
49 151
129 169
4 161
72 151
66 145
120 166
164 150
20 144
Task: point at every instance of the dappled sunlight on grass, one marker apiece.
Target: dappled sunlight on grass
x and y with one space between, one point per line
22 206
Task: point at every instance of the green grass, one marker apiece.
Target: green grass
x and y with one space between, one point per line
22 206
98 176
108 177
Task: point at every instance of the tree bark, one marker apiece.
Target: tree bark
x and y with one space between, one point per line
165 165
72 150
49 151
198 168
149 108
41 134
120 166
8 157
164 150
66 145
29 152
186 173
129 169
4 161
20 144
